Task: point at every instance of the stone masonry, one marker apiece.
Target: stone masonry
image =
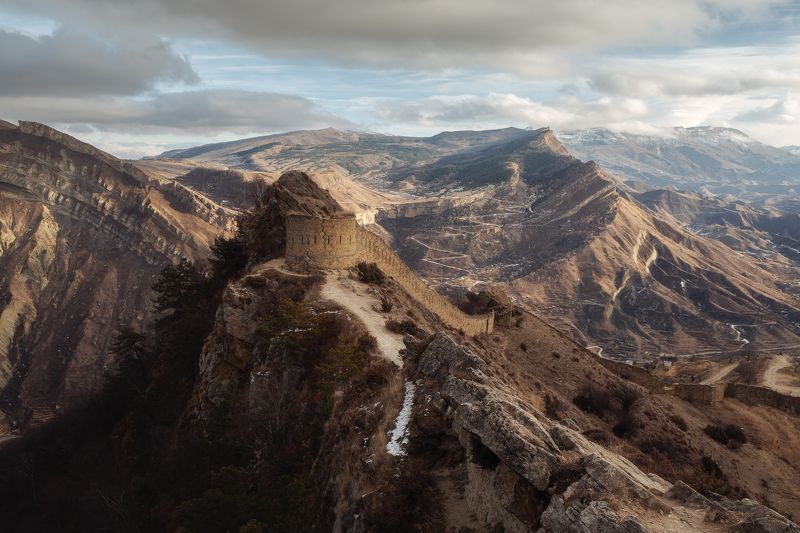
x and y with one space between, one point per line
315 243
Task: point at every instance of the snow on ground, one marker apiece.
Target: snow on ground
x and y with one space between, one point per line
399 437
354 298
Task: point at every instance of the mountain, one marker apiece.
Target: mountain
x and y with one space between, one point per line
792 149
719 161
293 401
633 271
82 235
352 166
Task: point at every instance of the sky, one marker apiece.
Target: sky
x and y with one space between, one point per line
139 77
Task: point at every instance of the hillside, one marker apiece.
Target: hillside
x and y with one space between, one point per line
260 401
632 273
81 236
719 161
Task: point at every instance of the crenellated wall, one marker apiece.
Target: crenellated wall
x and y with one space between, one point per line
339 242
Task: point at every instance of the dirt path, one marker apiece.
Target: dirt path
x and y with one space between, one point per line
774 380
719 374
354 298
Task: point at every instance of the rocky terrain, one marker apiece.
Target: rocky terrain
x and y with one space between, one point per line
719 161
632 272
82 235
272 408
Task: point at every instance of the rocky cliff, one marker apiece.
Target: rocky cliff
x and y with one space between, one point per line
81 236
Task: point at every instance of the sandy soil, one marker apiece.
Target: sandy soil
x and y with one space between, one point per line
354 297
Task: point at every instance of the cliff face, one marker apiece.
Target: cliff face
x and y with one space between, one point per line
81 236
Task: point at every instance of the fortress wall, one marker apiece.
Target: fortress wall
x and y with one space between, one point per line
638 375
694 392
752 394
374 250
339 243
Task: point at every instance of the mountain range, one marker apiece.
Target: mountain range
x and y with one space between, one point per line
634 272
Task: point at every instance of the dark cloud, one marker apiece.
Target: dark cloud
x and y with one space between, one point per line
512 34
72 64
206 112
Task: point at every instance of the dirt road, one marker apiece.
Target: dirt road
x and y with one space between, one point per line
774 380
719 374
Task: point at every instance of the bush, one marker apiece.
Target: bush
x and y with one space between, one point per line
592 400
403 326
626 426
370 273
680 422
386 305
627 396
717 433
735 434
731 436
552 406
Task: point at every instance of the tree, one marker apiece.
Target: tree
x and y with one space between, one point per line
228 258
178 287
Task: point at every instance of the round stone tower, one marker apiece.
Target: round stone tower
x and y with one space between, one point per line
321 242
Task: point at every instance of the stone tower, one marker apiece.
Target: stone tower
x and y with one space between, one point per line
321 243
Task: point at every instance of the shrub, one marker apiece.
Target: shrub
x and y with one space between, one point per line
711 466
731 436
626 426
370 273
386 305
735 434
552 406
627 396
717 433
592 400
403 326
523 347
679 421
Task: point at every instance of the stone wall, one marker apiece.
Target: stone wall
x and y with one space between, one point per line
321 243
751 394
697 393
636 374
338 243
705 394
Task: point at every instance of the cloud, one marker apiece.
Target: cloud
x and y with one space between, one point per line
503 109
701 72
205 112
785 110
69 63
520 35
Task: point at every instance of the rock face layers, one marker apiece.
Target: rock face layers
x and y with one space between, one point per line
82 236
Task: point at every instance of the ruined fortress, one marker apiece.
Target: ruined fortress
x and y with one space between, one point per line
338 242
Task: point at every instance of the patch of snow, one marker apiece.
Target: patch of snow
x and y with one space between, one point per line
399 437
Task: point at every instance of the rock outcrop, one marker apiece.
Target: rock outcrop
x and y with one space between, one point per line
526 472
82 234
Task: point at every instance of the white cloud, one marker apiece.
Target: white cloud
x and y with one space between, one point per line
519 35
